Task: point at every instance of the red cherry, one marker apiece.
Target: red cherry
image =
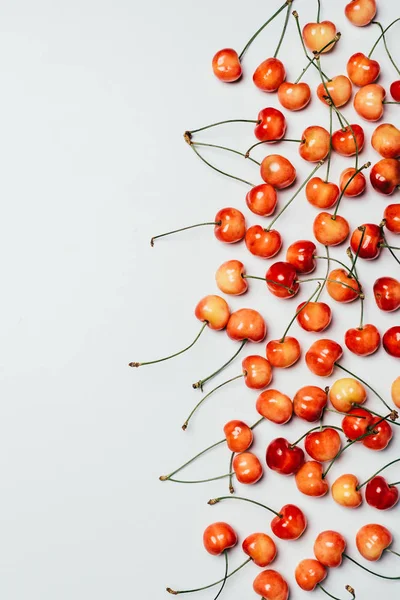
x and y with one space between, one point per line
283 353
316 316
247 468
213 310
229 278
246 324
395 90
278 171
392 217
372 540
239 436
271 125
301 255
262 199
362 70
329 547
363 341
309 403
329 230
387 293
323 445
309 573
284 276
356 186
226 65
381 437
291 523
282 458
343 140
322 355
322 194
269 75
261 549
381 495
360 12
294 96
218 537
274 406
391 341
371 236
271 585
339 89
342 287
263 242
309 480
385 176
257 372
315 144
231 226
356 423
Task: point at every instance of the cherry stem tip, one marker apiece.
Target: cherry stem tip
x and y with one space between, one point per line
170 591
134 364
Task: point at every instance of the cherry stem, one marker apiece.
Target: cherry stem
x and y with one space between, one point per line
166 477
296 16
327 257
361 326
368 570
348 588
365 383
389 102
392 485
225 575
186 423
393 415
321 162
357 171
377 473
339 412
227 149
219 170
152 362
231 488
201 480
216 500
392 247
206 587
319 427
353 266
386 245
330 144
251 40
268 281
388 549
247 153
188 134
183 229
289 4
336 261
360 294
319 11
316 56
386 48
351 257
201 382
381 36
298 312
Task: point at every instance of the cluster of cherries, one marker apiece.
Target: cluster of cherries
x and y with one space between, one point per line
346 396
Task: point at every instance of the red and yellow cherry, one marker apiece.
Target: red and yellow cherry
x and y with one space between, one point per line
274 406
316 316
269 75
271 125
226 65
261 242
386 140
271 586
262 199
218 537
372 540
381 436
315 143
392 218
339 89
231 226
342 287
346 392
391 341
229 278
247 468
283 458
301 255
387 293
368 102
322 194
246 324
317 35
278 171
322 355
309 479
348 141
395 90
330 230
329 547
345 491
309 573
239 436
283 353
285 276
323 445
385 176
294 96
290 524
360 12
352 183
214 311
257 372
362 70
370 237
309 403
395 391
381 495
356 423
261 549
363 341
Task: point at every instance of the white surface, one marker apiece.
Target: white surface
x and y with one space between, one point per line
95 98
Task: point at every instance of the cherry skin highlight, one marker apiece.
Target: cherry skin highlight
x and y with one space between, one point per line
218 537
339 89
263 243
318 35
370 237
322 194
345 392
322 355
343 140
315 143
360 12
345 492
271 585
282 458
239 436
283 354
362 70
278 171
229 278
357 184
257 372
226 65
316 316
381 495
372 540
261 549
232 227
356 423
309 572
323 445
385 176
309 403
291 524
329 547
262 200
247 468
309 480
381 437
392 218
386 140
341 287
246 324
271 125
285 276
391 341
330 231
387 293
368 102
214 310
395 90
301 255
269 75
294 96
274 406
363 341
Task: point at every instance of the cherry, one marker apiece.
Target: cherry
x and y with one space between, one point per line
218 537
247 468
261 548
269 75
386 140
339 89
318 35
342 287
301 255
281 280
257 372
294 96
380 494
372 540
284 458
315 143
330 230
309 479
274 406
309 403
368 102
323 445
345 491
271 585
382 434
262 242
385 176
262 199
362 70
395 90
346 392
348 141
229 278
395 391
322 194
316 316
392 218
366 241
391 341
360 12
352 183
329 547
363 341
283 353
271 125
226 65
387 293
309 573
239 436
246 324
356 423
290 524
278 171
322 355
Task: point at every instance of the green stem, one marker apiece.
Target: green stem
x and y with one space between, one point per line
206 587
219 170
267 281
368 570
152 362
227 149
316 57
284 30
247 153
339 262
377 473
201 382
251 40
365 383
327 257
330 144
392 485
231 488
319 11
361 314
389 102
225 575
388 549
386 48
329 281
183 229
393 415
201 480
216 500
296 16
192 131
389 248
348 588
381 36
319 427
298 312
356 172
353 266
166 477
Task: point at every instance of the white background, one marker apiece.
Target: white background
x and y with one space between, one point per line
95 98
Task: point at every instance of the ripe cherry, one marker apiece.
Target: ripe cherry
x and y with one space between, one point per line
309 479
348 141
345 491
282 280
363 341
329 547
315 144
246 324
382 434
278 171
309 573
294 96
362 70
342 287
368 102
290 524
274 406
346 392
392 218
380 494
366 241
395 90
322 355
395 391
239 436
229 278
330 230
360 12
372 540
261 548
269 75
284 458
316 316
262 199
301 255
247 468
386 140
218 537
387 293
339 89
309 403
257 372
271 585
226 65
271 125
391 341
323 445
283 353
352 183
356 423
385 176
318 35
262 242
322 194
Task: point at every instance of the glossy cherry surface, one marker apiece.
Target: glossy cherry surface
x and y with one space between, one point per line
271 125
294 96
271 585
360 12
262 242
283 353
322 194
362 70
301 255
345 392
309 403
261 548
386 140
392 218
315 316
329 230
364 340
391 341
283 458
381 436
231 227
214 311
345 491
372 540
269 75
257 372
348 141
339 89
329 547
315 143
218 537
262 199
387 293
278 171
246 324
366 241
341 287
385 176
309 572
368 102
229 278
275 406
323 445
309 479
239 436
318 35
226 65
322 355
282 280
356 423
291 523
247 467
381 495
351 183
